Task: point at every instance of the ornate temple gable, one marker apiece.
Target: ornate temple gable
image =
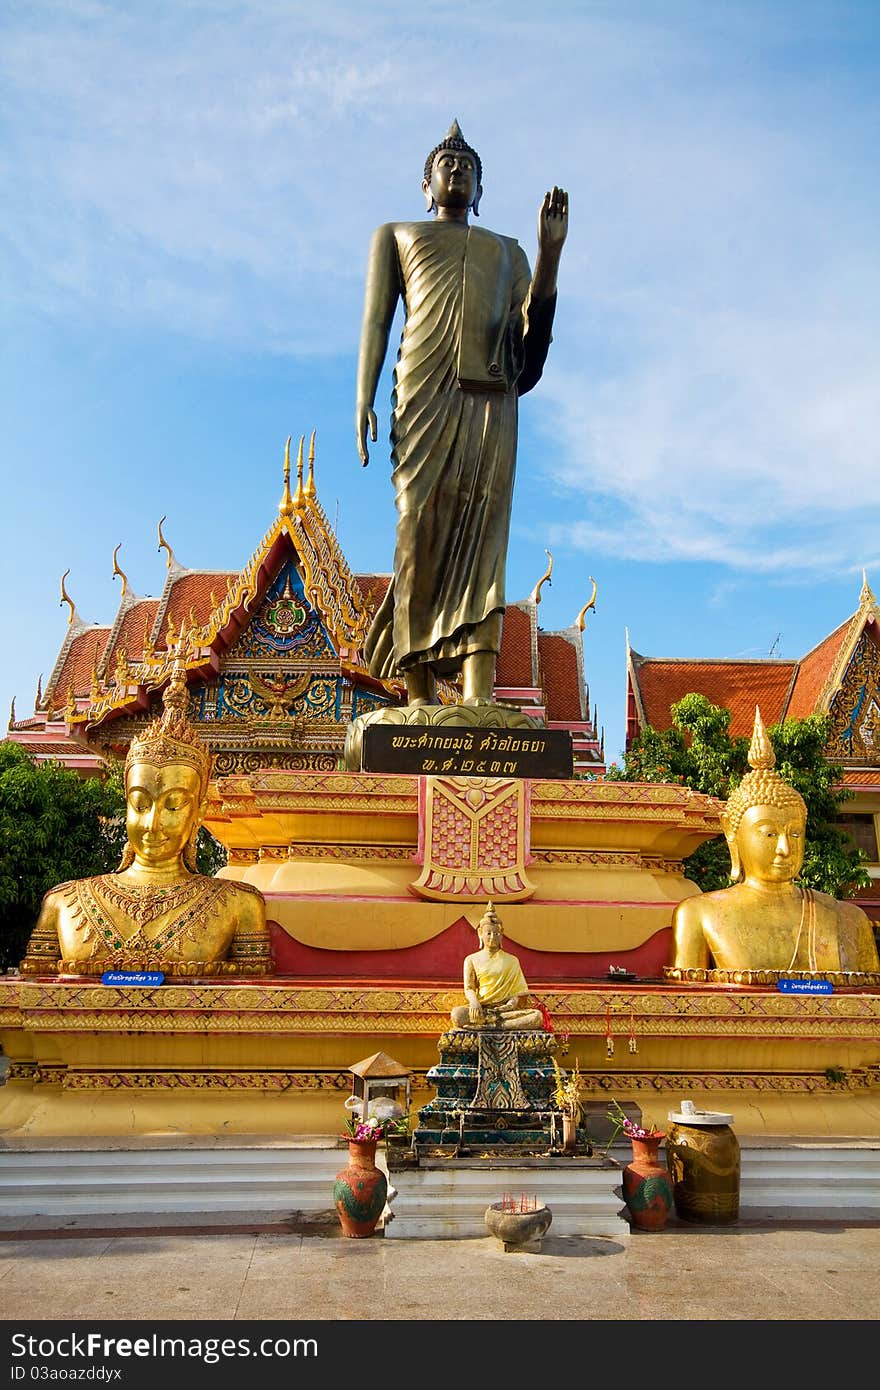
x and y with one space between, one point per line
855 707
865 618
202 613
282 665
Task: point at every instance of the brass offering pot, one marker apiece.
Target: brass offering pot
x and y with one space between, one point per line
702 1155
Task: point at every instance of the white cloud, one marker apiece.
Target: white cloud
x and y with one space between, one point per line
216 169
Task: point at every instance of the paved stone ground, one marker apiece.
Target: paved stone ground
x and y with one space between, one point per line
252 1266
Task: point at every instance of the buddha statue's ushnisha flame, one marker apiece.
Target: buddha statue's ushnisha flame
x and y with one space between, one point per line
763 786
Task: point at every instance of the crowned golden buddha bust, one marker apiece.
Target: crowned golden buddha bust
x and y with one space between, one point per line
156 912
766 922
494 984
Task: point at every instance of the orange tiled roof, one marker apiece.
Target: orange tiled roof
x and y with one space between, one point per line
862 777
194 591
373 589
813 671
84 652
514 666
130 637
737 685
563 696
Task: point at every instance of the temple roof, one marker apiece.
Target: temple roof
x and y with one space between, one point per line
737 685
105 673
782 689
517 664
561 668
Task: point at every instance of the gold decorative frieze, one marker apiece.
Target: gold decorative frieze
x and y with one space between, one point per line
772 1083
300 1010
204 1079
21 1071
299 850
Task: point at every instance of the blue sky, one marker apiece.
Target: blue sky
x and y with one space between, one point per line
189 189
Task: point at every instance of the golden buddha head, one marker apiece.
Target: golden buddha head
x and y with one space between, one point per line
166 783
765 819
453 173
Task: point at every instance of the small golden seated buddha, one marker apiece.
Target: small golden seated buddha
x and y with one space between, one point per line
156 912
766 925
494 985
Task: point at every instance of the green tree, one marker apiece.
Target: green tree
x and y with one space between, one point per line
699 751
55 826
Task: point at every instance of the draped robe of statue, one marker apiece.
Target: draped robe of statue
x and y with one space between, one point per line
473 340
500 978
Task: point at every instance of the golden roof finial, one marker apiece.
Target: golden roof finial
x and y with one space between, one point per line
866 597
117 570
70 706
11 724
170 634
65 598
299 495
147 644
580 620
163 545
535 595
39 699
310 480
285 506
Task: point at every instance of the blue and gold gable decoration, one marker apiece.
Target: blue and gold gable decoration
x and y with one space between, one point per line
274 668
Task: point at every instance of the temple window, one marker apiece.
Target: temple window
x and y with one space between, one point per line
861 827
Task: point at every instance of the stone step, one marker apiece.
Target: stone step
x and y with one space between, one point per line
781 1181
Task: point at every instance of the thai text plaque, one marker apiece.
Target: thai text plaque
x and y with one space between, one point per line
467 752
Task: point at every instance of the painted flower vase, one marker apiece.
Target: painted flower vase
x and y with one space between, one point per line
647 1189
360 1189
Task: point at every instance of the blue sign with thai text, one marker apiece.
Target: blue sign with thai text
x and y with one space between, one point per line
132 977
805 986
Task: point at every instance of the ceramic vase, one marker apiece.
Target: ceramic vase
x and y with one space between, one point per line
647 1189
360 1189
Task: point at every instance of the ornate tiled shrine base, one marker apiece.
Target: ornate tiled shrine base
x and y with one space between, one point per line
272 1056
494 1090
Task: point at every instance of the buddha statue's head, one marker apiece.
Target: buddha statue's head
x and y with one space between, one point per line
490 930
453 174
765 819
166 783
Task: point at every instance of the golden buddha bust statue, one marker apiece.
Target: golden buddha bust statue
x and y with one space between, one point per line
765 923
494 985
156 912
